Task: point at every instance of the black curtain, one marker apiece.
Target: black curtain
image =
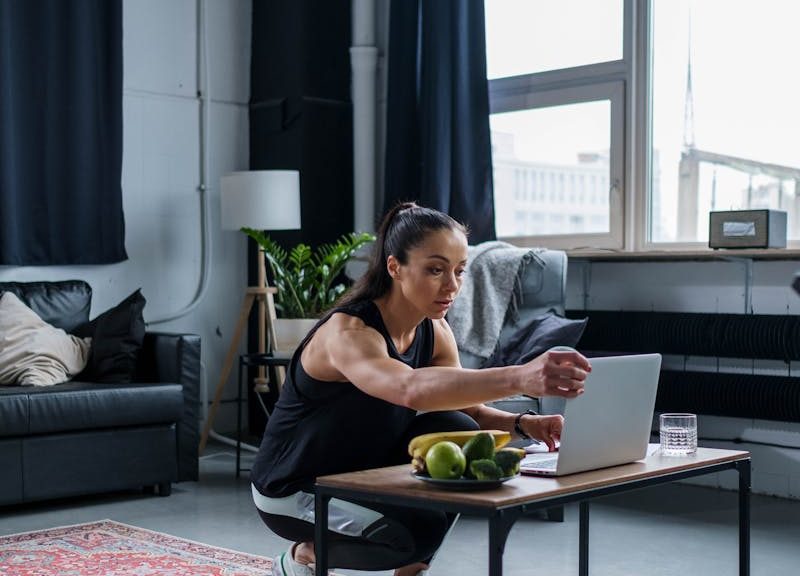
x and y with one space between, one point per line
61 132
301 119
300 109
438 149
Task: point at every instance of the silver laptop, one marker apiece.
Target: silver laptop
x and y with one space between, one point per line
609 424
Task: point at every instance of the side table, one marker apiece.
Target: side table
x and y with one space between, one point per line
253 360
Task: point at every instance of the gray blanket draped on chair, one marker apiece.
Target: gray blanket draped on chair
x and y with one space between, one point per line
490 290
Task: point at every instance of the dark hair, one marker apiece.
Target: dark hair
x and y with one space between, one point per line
403 227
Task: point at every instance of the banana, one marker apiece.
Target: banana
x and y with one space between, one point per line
419 445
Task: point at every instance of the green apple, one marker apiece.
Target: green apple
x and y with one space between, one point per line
445 460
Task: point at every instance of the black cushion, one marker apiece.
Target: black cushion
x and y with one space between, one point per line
73 406
64 304
117 336
81 406
13 411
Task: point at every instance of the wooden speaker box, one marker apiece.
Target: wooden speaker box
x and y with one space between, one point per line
747 229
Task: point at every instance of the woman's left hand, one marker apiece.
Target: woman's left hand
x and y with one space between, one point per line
544 428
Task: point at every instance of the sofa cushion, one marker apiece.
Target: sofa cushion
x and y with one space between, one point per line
535 337
32 352
64 304
74 406
13 411
117 336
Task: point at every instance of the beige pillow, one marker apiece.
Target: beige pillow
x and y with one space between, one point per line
32 352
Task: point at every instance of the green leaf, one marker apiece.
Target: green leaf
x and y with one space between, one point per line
303 276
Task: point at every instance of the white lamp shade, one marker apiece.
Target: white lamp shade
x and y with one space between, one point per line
261 199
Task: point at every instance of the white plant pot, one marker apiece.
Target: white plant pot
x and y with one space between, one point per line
290 332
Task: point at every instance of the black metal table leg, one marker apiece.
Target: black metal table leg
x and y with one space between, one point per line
239 422
321 533
743 467
499 526
583 539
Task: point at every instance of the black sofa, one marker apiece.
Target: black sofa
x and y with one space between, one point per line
79 438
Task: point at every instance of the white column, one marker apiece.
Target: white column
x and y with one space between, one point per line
363 62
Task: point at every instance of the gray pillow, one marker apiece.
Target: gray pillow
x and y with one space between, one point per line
538 335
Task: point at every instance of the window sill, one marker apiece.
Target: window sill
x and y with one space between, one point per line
685 255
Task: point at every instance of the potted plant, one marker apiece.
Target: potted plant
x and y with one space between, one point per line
306 280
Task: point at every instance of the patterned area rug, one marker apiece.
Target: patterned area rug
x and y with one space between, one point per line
108 548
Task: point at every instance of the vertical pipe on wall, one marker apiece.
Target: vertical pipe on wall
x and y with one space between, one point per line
363 65
204 102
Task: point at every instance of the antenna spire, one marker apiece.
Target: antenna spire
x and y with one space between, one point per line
688 103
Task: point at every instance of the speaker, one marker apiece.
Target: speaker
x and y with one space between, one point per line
747 229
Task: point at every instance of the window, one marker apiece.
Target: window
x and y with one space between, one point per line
724 113
702 119
557 82
524 37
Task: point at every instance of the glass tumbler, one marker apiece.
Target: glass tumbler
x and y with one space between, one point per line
678 433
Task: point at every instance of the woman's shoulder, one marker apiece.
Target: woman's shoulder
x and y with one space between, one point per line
364 310
440 326
344 321
357 308
340 320
445 351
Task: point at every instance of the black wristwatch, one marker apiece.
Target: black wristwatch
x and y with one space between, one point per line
517 428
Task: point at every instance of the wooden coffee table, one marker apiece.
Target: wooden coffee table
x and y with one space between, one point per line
504 505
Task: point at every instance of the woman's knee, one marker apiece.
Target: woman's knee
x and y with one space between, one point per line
409 537
288 528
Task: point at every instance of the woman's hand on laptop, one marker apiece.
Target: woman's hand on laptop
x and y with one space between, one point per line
560 371
546 429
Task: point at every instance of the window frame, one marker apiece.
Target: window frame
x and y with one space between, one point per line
629 213
528 93
641 137
612 81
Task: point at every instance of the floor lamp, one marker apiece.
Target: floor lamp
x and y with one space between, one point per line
262 200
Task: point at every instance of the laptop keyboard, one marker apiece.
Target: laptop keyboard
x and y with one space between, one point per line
546 464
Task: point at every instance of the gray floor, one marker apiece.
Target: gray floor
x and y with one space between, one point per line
674 529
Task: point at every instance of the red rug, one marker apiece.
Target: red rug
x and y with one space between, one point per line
108 548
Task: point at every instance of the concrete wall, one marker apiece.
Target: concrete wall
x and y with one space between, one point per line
709 287
161 174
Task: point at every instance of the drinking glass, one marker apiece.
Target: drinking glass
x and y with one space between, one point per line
678 433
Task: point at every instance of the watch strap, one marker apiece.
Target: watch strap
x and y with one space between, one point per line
517 421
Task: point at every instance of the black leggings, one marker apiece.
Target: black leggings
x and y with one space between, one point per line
402 536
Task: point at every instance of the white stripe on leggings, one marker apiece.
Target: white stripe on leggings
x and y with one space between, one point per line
343 517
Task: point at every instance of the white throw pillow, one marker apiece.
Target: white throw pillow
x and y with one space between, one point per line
32 352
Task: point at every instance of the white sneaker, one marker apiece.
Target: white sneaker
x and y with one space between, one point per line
285 565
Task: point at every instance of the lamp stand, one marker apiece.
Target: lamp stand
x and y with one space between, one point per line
266 315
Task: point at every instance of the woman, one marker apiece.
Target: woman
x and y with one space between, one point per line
356 384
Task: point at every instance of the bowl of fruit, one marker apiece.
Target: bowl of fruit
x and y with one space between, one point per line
466 460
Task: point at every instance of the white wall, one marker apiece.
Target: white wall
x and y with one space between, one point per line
161 174
719 286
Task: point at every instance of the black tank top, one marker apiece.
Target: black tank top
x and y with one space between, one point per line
320 427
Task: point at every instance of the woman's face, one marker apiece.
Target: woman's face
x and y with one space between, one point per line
433 273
